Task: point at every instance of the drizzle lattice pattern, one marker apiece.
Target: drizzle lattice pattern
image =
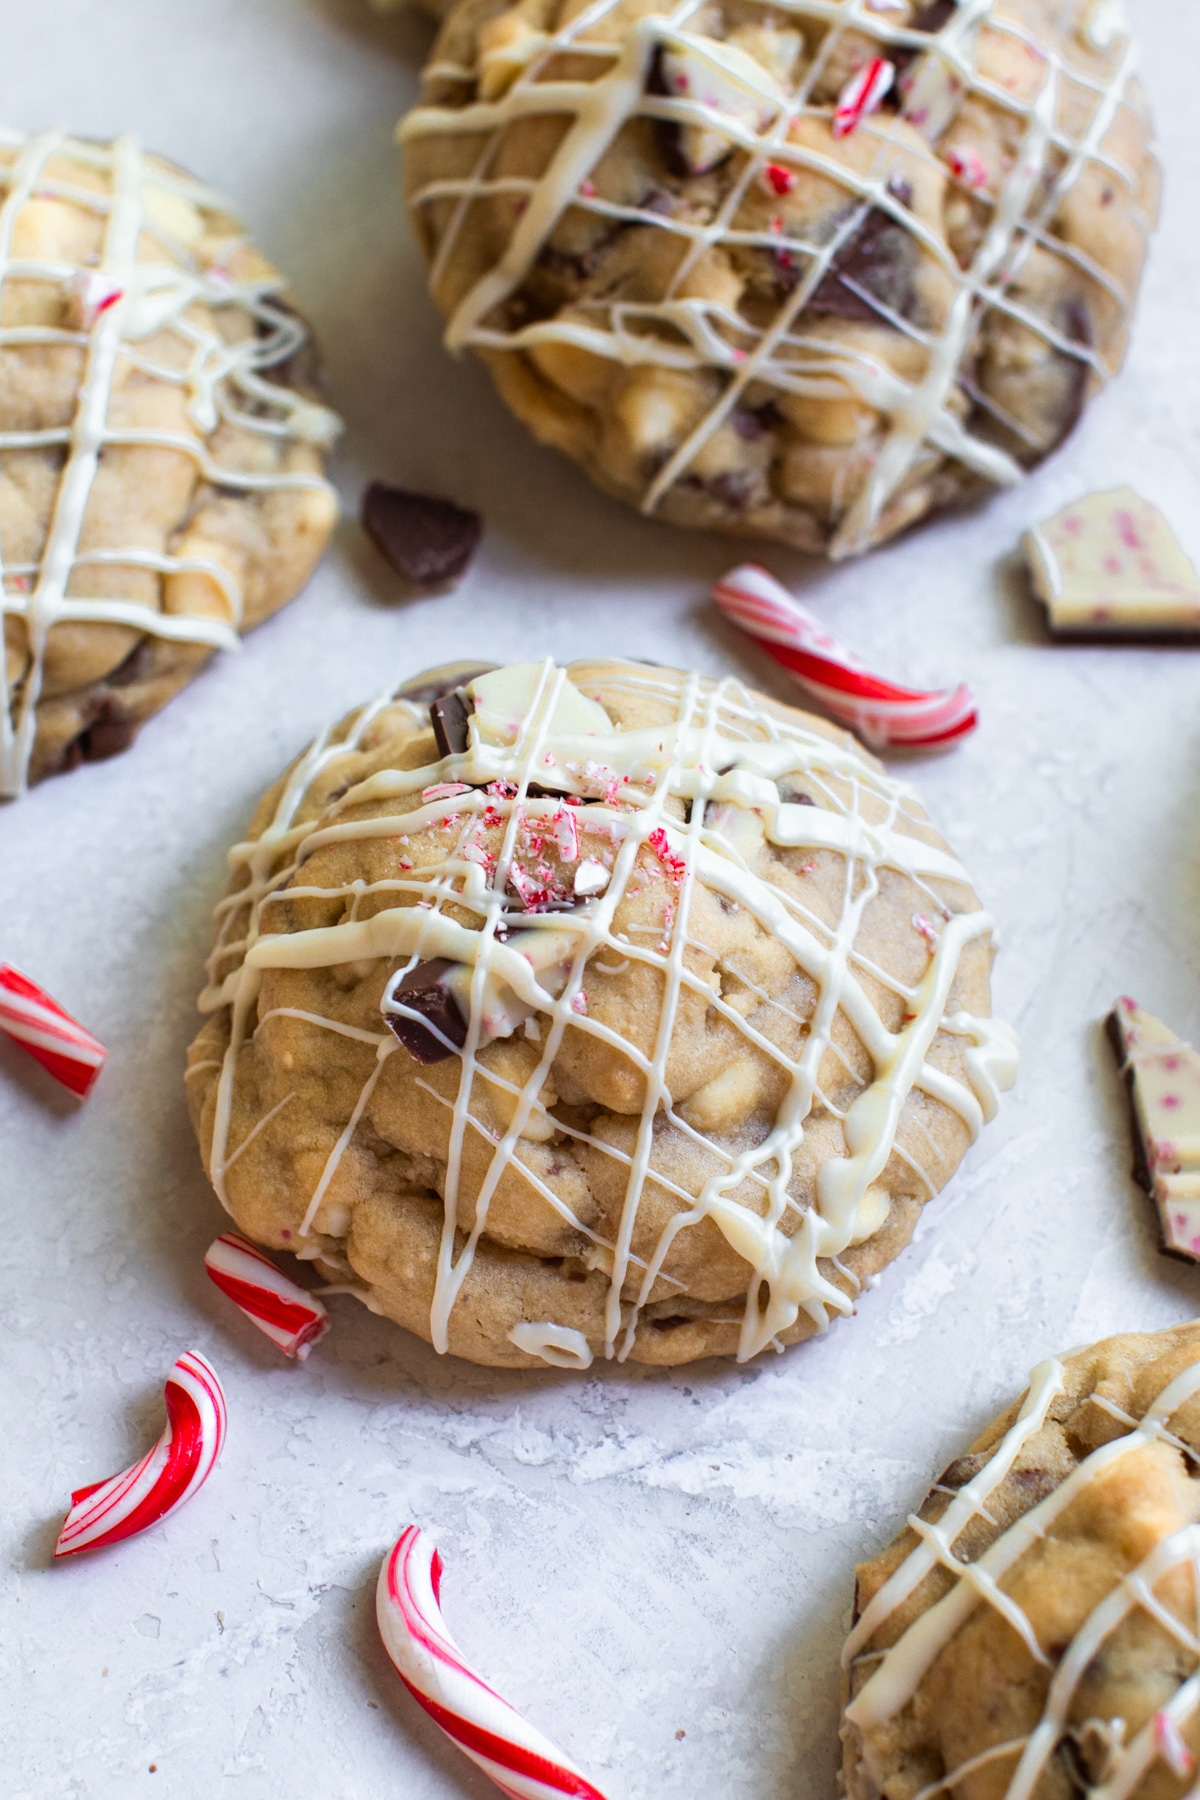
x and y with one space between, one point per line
142 303
896 1673
727 756
937 413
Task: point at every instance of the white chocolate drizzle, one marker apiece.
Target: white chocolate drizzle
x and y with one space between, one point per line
899 1670
685 333
624 781
127 300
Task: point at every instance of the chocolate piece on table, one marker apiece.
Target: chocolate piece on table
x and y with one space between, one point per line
1162 1075
424 990
428 541
1110 567
448 716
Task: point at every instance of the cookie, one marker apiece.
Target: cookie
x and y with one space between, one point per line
597 1011
1032 1631
808 274
161 444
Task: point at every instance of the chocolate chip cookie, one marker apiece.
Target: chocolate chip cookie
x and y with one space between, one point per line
809 272
593 1011
1033 1630
161 443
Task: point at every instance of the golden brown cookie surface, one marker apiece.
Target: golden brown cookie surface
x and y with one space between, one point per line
161 443
1034 1630
694 263
640 1015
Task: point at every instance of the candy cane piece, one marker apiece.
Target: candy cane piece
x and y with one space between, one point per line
1170 1744
523 1764
32 1019
880 711
181 1461
862 94
292 1318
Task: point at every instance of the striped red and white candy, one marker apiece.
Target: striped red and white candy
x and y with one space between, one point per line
522 1763
862 94
292 1318
32 1019
180 1463
882 713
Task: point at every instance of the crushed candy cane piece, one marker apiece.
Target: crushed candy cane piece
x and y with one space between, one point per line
181 1462
522 1763
444 790
98 293
778 180
290 1316
591 877
862 94
882 713
1162 1077
1169 1742
967 166
32 1019
566 834
1109 565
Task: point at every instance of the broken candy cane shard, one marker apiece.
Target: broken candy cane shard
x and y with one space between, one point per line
32 1019
1170 1744
522 1763
182 1460
862 94
881 711
290 1316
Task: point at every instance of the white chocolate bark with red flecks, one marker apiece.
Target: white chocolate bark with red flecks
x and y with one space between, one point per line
1164 1085
1111 563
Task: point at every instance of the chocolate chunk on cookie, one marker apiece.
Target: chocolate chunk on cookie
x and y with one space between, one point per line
448 716
440 1030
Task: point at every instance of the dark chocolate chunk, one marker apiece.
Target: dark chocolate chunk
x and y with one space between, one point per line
1141 1156
431 684
302 368
876 263
963 1469
428 541
448 716
137 665
107 737
109 731
932 17
423 990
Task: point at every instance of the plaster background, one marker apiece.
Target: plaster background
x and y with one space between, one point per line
632 1554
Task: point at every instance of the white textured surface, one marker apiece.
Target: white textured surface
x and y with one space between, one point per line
630 1555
